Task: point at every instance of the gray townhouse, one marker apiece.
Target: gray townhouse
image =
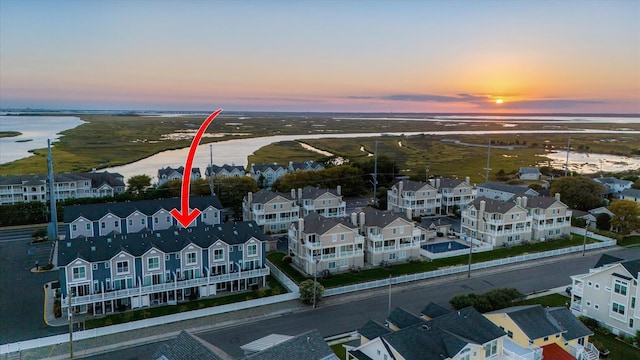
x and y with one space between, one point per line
135 216
551 218
414 198
496 222
326 202
225 171
504 192
169 173
305 166
116 272
614 185
272 211
266 174
456 194
26 188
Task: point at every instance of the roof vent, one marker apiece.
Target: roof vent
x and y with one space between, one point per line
250 225
108 240
158 235
68 244
426 327
175 233
93 248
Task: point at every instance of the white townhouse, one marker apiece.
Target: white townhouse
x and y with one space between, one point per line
608 293
614 185
225 171
529 173
25 188
318 243
272 211
630 195
389 236
326 202
305 166
496 222
135 216
504 192
414 198
117 272
169 173
551 219
455 193
266 174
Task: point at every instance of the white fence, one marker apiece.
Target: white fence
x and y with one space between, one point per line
283 278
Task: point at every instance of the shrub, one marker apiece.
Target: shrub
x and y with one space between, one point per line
49 266
589 322
57 308
306 291
287 259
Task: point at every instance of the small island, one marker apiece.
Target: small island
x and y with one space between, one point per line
4 134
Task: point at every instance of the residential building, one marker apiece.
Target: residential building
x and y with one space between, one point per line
456 194
504 192
25 188
225 171
168 174
325 202
266 174
318 243
608 293
121 271
497 222
309 345
630 195
272 211
187 346
459 335
389 236
552 330
551 219
414 198
305 166
614 185
135 216
529 173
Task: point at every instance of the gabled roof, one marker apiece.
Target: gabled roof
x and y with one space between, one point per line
613 181
428 222
148 207
529 170
631 193
311 192
402 318
493 205
305 165
373 329
100 178
541 202
380 218
308 346
264 196
264 167
433 310
410 185
446 183
606 259
103 248
315 223
513 189
469 324
533 320
572 326
217 169
188 347
555 352
632 266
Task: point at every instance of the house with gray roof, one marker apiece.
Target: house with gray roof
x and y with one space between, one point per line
123 271
630 195
504 192
187 346
225 171
308 165
272 211
169 173
135 216
433 310
552 330
321 244
326 202
414 198
614 185
455 193
309 345
496 222
464 334
529 173
608 293
266 174
551 218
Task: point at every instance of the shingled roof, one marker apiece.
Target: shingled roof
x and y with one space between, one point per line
533 320
264 196
433 310
311 192
403 319
373 329
308 346
315 223
493 205
380 218
189 347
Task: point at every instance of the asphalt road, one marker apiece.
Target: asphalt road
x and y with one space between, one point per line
21 292
331 320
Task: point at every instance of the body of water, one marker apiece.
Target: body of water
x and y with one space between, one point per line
35 132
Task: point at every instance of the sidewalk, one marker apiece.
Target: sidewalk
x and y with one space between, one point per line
104 344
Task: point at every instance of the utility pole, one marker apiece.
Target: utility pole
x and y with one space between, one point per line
70 314
52 228
389 308
426 173
584 242
315 281
375 175
487 169
566 165
211 170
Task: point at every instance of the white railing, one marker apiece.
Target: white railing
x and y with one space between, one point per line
282 278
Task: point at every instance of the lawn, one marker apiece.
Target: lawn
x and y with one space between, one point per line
553 300
340 351
275 288
9 133
630 240
377 273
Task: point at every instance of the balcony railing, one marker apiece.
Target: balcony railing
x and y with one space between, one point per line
168 286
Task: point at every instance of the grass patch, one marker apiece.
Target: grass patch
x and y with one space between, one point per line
377 273
4 134
552 300
630 240
340 351
275 288
619 350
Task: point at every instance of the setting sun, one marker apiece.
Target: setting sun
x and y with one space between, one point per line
499 101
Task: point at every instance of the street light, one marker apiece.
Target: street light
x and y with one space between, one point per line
584 242
315 281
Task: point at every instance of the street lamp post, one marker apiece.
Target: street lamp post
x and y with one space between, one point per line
315 281
584 242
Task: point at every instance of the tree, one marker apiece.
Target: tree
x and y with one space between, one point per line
172 188
138 183
306 291
625 216
39 234
232 190
579 192
603 222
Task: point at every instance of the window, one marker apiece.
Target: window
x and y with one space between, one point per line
94 266
115 223
491 349
122 267
252 250
596 306
589 283
392 256
167 257
597 286
588 303
341 237
130 222
191 258
218 254
79 273
618 308
633 302
107 265
103 225
631 323
620 287
142 221
510 334
155 220
394 230
74 227
331 265
546 338
88 226
153 263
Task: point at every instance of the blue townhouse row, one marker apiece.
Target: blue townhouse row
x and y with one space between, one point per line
135 216
117 272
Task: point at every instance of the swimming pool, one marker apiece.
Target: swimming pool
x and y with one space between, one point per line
444 247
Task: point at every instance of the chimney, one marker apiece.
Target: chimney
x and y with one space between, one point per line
519 201
432 182
467 180
300 196
339 190
354 219
300 228
483 204
409 213
438 183
524 202
556 196
293 194
249 199
361 221
399 198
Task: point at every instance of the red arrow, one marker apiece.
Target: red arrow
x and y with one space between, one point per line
186 216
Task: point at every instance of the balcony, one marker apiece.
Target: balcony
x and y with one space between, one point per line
359 239
375 237
314 244
169 286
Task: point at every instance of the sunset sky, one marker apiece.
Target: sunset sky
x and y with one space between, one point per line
368 56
